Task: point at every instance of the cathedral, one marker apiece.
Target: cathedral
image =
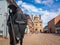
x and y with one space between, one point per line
34 24
37 23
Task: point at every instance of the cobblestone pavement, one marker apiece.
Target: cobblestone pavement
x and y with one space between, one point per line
37 39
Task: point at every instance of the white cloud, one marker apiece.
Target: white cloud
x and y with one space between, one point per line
47 16
38 1
45 2
28 7
48 2
19 2
40 9
31 9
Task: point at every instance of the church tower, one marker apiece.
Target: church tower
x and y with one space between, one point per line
38 24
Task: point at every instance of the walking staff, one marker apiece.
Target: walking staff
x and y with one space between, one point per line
13 30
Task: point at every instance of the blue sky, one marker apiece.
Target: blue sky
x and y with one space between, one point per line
48 9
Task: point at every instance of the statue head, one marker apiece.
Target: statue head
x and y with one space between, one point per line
12 9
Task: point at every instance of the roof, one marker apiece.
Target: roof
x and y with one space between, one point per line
58 24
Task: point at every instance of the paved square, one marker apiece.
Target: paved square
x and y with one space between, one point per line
37 39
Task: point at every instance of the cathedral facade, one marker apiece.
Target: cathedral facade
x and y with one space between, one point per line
37 23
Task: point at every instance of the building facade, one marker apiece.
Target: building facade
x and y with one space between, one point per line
29 28
37 24
53 24
3 17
